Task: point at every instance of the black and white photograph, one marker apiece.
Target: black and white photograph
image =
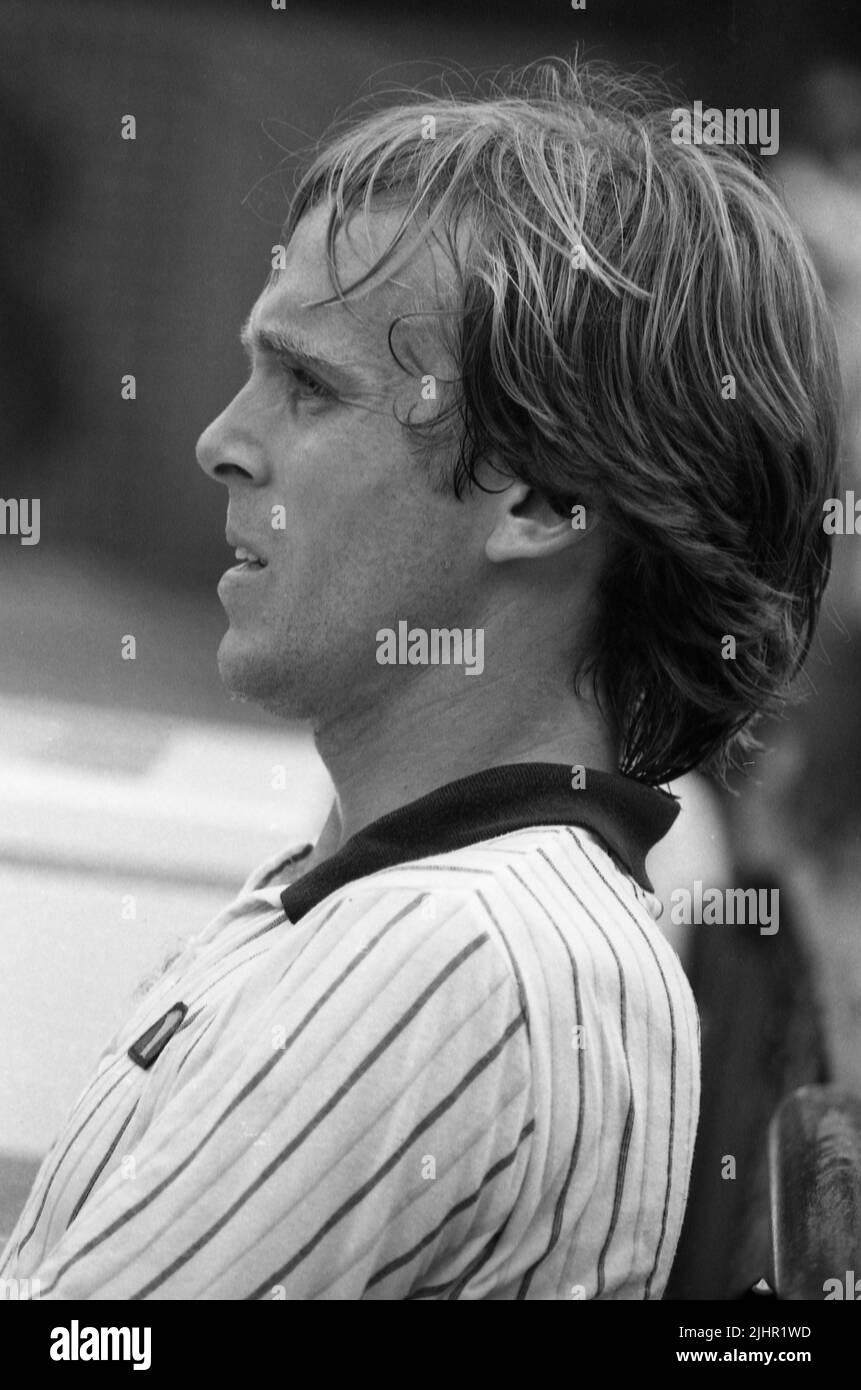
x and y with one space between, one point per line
430 668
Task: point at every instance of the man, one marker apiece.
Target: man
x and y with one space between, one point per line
497 516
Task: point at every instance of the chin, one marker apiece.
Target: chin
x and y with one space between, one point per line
255 676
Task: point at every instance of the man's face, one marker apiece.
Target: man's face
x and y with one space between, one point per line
361 540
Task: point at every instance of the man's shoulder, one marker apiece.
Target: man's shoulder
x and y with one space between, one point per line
538 861
525 888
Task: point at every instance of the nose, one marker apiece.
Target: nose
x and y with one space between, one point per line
227 451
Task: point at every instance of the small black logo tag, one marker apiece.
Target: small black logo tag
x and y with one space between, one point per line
150 1044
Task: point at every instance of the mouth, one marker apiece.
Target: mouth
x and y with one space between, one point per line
247 560
249 565
247 557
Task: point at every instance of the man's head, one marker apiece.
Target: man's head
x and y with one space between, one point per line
534 301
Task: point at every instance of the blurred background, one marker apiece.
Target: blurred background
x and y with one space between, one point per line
134 797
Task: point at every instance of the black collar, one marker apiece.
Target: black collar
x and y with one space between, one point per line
629 816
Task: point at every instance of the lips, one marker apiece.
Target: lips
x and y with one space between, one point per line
249 558
246 553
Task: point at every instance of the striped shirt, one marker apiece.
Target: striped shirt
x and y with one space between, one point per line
458 1059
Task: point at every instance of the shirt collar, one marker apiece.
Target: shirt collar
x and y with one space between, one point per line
629 816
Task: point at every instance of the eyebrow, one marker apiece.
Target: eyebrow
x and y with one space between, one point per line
280 342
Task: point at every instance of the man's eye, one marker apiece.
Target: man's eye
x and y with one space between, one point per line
308 385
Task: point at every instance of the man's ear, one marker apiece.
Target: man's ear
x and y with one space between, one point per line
527 527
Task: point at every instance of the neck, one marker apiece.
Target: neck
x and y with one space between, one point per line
440 728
